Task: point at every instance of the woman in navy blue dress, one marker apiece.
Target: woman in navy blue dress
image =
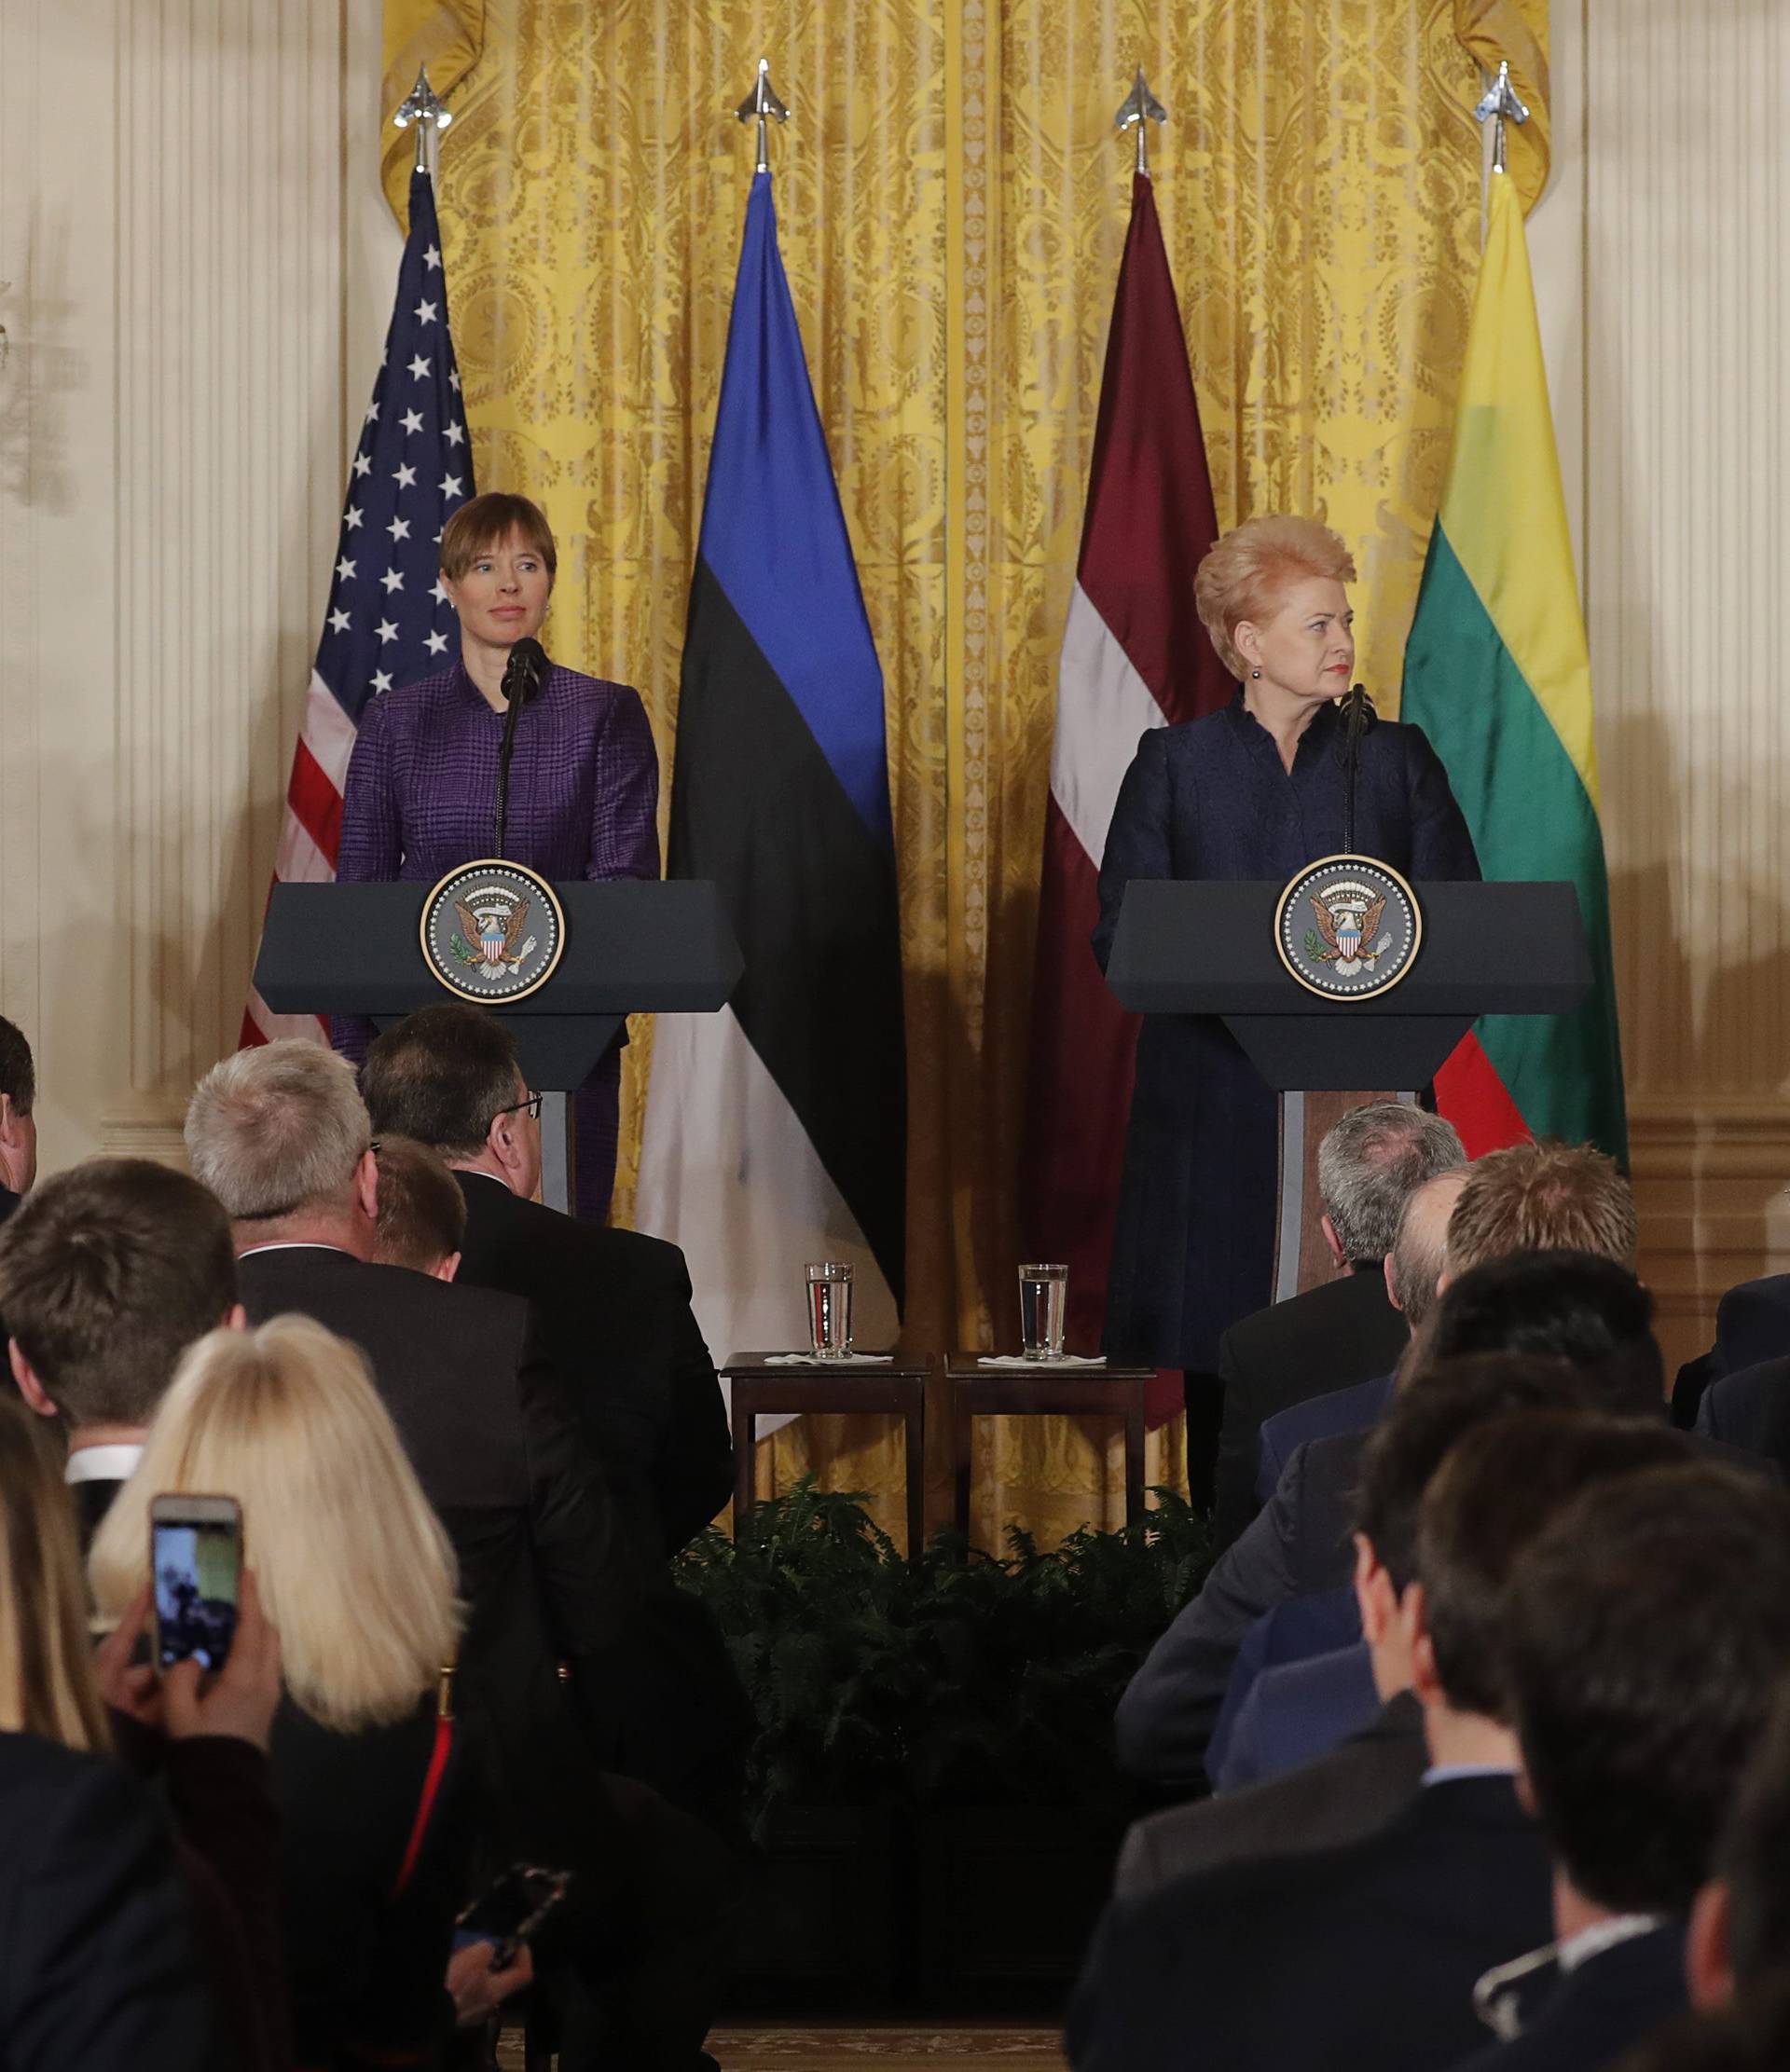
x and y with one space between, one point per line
1255 790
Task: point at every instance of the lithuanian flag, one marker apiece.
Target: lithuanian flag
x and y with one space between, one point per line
1497 675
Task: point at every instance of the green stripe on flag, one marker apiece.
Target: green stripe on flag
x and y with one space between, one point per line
1531 820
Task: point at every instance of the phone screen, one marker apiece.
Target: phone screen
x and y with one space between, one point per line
197 1563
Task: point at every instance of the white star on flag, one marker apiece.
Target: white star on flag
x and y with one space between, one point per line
372 416
392 581
351 518
413 420
431 258
418 367
399 529
440 592
404 477
425 312
454 435
387 631
436 643
450 486
339 621
362 464
381 680
345 569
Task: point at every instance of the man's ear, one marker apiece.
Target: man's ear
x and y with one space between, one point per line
1374 1596
446 1269
1423 1679
236 1318
366 1186
1335 1243
1443 1281
1525 1790
1709 1963
29 1386
1392 1292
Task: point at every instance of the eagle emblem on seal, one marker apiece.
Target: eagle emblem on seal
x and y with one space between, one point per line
490 936
1348 915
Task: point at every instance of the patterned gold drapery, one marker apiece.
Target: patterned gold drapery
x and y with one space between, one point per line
952 202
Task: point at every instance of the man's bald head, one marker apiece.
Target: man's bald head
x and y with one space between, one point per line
1419 1252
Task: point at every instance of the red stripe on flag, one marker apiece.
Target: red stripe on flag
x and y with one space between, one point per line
1150 516
1472 1096
315 803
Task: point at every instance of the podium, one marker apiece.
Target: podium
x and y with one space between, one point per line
632 946
1199 946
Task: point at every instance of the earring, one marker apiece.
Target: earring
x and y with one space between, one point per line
1255 672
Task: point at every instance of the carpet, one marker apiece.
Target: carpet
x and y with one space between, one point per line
981 2048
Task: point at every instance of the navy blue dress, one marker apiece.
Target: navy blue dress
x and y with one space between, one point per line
1194 1242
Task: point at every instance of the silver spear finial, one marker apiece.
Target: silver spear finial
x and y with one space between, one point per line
1141 106
425 107
1500 104
763 106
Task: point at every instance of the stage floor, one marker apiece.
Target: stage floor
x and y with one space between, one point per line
888 2048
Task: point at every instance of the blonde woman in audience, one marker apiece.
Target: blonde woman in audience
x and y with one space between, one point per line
354 1570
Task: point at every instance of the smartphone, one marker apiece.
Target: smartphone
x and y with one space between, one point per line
196 1559
510 1910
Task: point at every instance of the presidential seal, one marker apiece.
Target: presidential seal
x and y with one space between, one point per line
492 931
1348 927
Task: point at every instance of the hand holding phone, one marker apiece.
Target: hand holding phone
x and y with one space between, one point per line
195 1567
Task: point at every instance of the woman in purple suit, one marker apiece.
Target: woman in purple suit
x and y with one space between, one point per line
422 794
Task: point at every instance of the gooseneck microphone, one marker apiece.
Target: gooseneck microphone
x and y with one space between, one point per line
522 675
1359 715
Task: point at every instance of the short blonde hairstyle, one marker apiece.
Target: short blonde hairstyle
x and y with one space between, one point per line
1545 1197
487 522
278 1128
47 1683
1243 576
354 1567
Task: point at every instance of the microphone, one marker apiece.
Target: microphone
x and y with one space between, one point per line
522 675
1359 715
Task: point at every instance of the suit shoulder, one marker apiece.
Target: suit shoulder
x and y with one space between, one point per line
44 1785
447 1303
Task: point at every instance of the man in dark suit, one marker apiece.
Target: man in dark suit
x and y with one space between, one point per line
99 1967
1644 1636
1586 1311
1752 1325
108 1272
1751 1410
615 1310
18 1130
1367 1955
1739 1921
1361 1784
1413 1280
1344 1330
283 1137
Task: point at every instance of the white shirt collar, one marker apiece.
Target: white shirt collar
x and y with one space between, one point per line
1451 1772
295 1244
102 1463
1605 1935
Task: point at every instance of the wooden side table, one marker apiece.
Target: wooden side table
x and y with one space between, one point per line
1045 1389
897 1390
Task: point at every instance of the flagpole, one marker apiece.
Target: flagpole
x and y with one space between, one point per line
1499 104
425 108
763 106
1139 108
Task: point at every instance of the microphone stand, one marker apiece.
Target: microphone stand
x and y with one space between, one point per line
1361 705
505 750
521 674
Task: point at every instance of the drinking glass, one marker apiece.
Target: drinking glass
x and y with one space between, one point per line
830 1307
1044 1305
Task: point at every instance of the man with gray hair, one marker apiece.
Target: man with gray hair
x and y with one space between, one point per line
1344 1331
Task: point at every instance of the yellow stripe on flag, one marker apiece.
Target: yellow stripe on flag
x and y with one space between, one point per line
1504 509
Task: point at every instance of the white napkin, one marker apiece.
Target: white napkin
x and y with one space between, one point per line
815 1360
1021 1360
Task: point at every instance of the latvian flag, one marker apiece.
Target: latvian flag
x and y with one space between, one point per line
1134 656
388 620
776 1131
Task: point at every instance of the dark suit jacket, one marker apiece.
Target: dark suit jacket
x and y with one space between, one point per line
1297 1712
1354 1409
1751 1409
99 1964
1593 2015
507 1470
1292 1632
1331 1336
615 1318
1751 1324
1299 1546
1365 1955
613 1309
8 1202
1339 1798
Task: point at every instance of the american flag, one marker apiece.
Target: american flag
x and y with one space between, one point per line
388 621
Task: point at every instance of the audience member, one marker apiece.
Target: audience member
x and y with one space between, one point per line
107 1275
123 1950
1563 1305
421 1220
1344 1330
374 1844
1740 1924
281 1135
1752 2035
1415 1268
1369 1954
18 1126
1751 1409
1545 1197
1643 1635
1359 1785
615 1308
1751 1324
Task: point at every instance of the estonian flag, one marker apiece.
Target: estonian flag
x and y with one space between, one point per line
777 1131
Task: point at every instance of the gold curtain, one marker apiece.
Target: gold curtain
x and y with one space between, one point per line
952 201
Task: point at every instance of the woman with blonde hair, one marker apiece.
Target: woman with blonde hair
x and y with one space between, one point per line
356 1573
1254 791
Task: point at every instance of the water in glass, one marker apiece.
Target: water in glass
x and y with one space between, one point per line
1043 1303
830 1307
